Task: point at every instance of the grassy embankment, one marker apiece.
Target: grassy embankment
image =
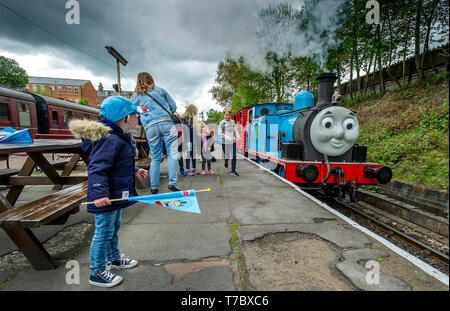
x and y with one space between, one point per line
407 130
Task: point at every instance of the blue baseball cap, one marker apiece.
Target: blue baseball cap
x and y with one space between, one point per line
115 108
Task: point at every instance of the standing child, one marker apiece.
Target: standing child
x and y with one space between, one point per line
111 175
180 144
229 135
207 147
191 138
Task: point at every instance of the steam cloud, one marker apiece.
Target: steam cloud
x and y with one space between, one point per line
296 35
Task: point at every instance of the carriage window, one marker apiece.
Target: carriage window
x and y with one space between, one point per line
85 116
68 115
55 117
4 113
24 114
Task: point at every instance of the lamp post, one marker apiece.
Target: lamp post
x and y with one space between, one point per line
120 60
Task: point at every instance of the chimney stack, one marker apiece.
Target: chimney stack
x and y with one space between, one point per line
326 83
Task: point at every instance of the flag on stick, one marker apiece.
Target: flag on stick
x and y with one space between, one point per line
185 201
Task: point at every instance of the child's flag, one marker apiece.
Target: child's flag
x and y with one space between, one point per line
11 136
185 201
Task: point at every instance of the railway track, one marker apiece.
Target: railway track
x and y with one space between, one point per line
358 212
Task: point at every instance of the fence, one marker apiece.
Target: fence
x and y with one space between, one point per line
435 61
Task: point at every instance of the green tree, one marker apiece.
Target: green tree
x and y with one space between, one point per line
84 102
42 91
214 116
245 96
229 75
11 74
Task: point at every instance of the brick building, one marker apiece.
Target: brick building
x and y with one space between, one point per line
68 89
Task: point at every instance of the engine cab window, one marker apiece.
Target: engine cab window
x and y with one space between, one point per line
24 114
4 113
263 111
250 116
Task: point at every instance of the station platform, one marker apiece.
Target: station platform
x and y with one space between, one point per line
255 232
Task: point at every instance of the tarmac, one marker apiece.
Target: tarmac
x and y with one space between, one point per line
254 233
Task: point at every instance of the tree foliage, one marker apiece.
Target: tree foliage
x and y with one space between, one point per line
214 116
298 47
84 102
11 74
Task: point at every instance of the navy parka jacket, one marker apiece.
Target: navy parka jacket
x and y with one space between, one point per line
111 168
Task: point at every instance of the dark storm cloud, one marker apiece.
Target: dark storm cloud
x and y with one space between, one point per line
178 41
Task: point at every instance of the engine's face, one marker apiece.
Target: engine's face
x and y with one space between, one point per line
334 131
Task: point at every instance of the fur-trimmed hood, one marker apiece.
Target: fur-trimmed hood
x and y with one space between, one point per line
111 162
89 130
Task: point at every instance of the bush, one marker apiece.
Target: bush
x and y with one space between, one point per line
416 149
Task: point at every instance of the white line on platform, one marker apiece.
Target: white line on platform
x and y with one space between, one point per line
414 260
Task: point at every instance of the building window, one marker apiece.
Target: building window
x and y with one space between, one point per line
34 88
59 90
69 90
52 90
24 114
4 113
55 117
76 91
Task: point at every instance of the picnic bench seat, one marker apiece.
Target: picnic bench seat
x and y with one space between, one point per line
52 209
6 172
59 164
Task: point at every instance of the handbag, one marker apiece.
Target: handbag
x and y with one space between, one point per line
174 118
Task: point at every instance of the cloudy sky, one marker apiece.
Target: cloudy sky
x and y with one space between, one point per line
179 42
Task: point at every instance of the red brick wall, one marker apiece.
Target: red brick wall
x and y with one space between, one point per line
88 91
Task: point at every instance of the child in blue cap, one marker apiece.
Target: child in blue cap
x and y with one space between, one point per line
111 175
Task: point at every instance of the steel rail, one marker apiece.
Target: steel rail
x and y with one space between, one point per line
437 255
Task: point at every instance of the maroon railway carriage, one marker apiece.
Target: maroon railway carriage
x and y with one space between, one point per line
42 115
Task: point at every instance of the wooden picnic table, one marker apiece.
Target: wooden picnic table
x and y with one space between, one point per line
35 153
52 209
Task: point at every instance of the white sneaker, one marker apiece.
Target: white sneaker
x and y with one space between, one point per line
122 263
105 278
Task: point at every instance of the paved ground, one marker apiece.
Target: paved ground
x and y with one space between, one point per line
254 233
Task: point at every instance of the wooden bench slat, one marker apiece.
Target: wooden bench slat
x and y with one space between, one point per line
77 194
56 203
52 213
49 201
42 181
6 172
39 202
